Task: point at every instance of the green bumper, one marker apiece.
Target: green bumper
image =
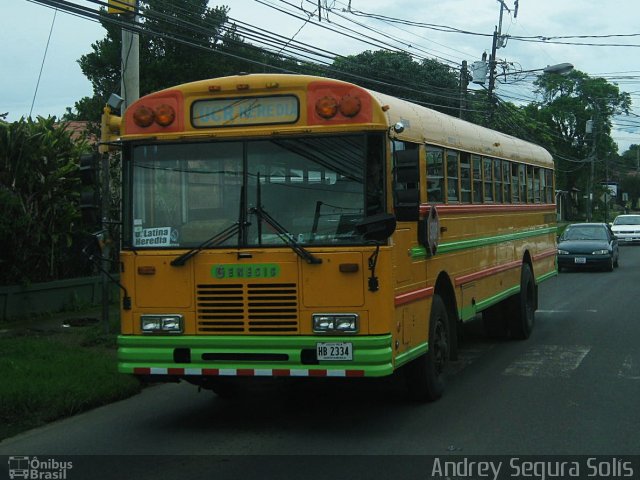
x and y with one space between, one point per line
269 356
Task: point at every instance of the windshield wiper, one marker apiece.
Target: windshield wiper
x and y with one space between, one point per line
285 236
217 239
282 232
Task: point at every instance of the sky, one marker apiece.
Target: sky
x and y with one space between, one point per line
26 28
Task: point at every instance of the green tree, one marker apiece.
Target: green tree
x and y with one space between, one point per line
180 42
430 82
559 122
38 194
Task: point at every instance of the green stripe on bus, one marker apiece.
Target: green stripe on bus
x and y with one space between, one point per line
421 252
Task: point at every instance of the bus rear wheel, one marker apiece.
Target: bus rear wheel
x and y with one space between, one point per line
523 306
425 375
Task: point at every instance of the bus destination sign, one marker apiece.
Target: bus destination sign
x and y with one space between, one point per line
245 111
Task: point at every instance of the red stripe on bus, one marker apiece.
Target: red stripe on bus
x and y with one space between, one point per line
548 253
484 208
141 371
355 373
487 272
413 296
282 372
210 371
175 371
245 372
317 373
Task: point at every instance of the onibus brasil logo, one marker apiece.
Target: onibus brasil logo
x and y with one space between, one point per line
34 468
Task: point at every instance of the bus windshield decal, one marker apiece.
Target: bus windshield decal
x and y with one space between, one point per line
155 237
240 112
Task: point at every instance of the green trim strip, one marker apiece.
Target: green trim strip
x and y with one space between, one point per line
372 354
421 252
546 276
412 354
471 311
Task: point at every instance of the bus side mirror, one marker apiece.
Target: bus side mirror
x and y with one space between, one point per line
377 227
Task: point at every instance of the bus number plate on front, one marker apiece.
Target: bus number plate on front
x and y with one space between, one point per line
334 351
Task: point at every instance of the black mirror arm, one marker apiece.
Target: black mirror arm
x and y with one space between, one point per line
374 284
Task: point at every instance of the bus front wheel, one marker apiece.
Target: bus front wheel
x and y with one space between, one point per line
425 375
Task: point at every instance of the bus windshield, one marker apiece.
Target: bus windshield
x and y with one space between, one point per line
314 187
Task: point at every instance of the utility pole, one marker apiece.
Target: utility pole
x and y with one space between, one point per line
590 129
498 42
130 92
464 84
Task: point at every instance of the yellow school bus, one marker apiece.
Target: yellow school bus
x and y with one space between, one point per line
299 226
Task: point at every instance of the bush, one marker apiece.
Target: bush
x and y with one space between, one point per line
39 190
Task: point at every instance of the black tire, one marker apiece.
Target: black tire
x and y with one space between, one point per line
496 321
523 306
425 375
610 265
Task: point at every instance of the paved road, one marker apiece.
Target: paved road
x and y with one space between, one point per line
572 388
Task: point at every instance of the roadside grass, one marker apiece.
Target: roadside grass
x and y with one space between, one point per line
51 375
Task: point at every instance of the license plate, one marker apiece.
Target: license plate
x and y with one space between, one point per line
334 351
628 239
580 260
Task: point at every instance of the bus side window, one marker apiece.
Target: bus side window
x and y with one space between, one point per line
477 178
435 175
465 177
497 177
452 177
406 175
488 179
506 179
515 185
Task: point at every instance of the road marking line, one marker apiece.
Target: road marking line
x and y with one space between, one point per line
567 311
627 371
466 356
548 361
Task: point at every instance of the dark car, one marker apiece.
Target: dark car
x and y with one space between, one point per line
585 245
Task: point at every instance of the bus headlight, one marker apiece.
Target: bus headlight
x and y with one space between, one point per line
161 324
335 322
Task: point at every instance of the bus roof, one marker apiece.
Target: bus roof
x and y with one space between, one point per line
422 124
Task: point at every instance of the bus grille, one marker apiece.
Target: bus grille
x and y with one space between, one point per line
252 308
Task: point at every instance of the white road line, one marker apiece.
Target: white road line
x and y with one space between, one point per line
548 361
567 311
628 371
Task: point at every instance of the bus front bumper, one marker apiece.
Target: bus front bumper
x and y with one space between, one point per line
176 357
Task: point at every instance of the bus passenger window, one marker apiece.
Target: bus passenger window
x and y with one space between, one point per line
497 176
536 184
465 177
506 181
452 176
435 175
515 186
523 183
477 179
549 185
488 179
